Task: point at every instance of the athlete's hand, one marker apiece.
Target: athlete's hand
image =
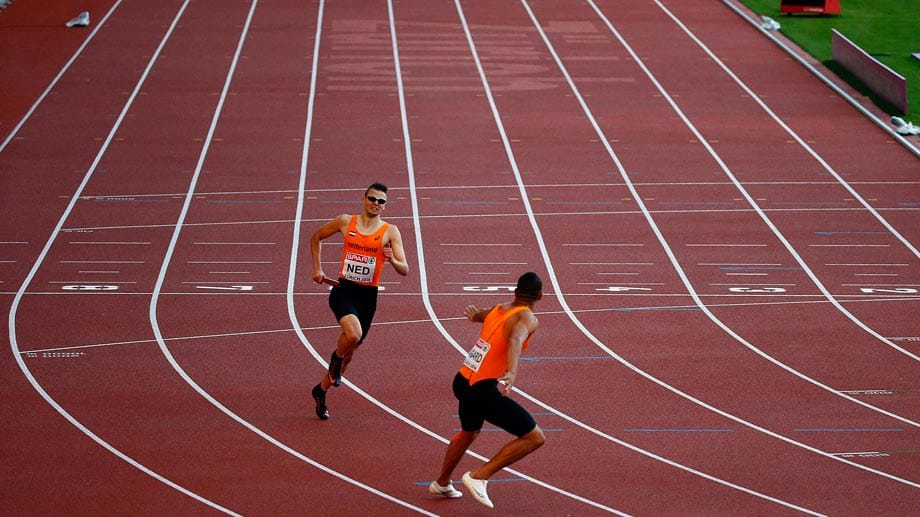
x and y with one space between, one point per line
506 382
388 252
470 312
318 276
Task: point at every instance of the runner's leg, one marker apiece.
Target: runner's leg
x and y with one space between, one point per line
510 453
455 450
345 348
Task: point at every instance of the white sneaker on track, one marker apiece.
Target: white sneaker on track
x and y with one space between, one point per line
477 487
447 491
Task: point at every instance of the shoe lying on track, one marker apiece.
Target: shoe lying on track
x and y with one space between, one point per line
477 487
82 20
335 369
447 491
904 127
320 397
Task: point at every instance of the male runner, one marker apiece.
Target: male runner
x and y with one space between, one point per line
369 244
482 385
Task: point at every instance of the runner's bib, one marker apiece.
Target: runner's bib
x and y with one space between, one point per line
359 268
476 355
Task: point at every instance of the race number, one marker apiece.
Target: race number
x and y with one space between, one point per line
359 268
476 355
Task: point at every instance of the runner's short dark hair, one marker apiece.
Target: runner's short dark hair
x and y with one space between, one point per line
380 187
529 286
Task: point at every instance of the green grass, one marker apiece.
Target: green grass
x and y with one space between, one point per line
889 30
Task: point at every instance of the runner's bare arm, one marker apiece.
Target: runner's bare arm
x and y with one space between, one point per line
523 325
337 225
394 252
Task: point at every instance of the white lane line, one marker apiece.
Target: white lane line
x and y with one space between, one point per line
817 282
884 125
414 202
480 244
401 323
663 242
485 263
14 308
225 282
533 223
483 187
790 249
111 243
234 243
849 245
101 261
228 262
461 216
867 265
525 200
58 77
814 154
602 245
154 322
880 285
725 245
612 263
415 210
79 281
736 264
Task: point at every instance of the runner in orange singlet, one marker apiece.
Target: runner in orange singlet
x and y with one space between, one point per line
369 244
482 385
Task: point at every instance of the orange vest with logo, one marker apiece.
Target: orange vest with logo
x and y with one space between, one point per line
488 359
362 255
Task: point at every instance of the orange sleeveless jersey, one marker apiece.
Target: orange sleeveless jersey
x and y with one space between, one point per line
362 255
488 359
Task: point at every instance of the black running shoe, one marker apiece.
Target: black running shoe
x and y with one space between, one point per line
335 369
320 397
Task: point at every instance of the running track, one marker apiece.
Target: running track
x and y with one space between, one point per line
729 251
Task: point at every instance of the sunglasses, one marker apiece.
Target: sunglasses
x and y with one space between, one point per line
372 199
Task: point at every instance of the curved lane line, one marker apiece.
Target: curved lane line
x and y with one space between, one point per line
434 318
753 204
168 258
830 84
292 313
751 200
14 343
676 265
426 296
57 78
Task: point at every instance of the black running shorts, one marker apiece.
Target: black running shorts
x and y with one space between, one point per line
351 298
483 402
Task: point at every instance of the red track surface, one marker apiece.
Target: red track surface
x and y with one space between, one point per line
729 251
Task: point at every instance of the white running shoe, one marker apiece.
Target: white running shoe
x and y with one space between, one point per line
82 20
770 24
447 491
477 487
904 127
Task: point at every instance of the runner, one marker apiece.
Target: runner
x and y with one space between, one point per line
369 244
482 385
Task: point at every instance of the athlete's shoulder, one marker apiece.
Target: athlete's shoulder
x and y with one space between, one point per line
343 221
527 317
392 231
